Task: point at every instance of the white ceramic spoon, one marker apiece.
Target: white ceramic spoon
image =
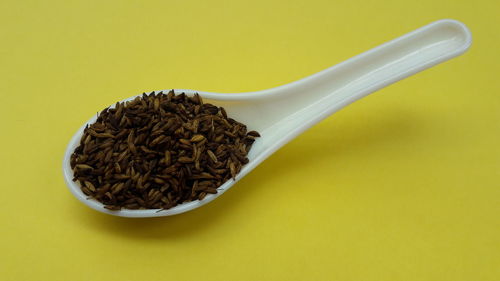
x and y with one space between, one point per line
280 114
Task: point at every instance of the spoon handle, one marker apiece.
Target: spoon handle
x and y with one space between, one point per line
390 62
297 106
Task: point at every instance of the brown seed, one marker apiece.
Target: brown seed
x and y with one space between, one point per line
237 157
83 167
145 149
223 112
197 138
202 195
121 176
151 193
212 156
195 152
169 170
226 123
185 141
100 135
201 143
109 154
87 139
117 187
104 188
217 171
145 178
202 176
197 99
156 104
87 191
219 138
107 194
119 110
185 159
117 168
210 190
139 182
130 142
232 168
158 181
90 186
157 140
122 156
253 134
229 134
112 207
196 124
131 206
164 187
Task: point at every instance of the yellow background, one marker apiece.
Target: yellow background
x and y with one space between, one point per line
403 185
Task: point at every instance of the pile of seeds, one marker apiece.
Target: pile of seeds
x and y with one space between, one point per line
159 150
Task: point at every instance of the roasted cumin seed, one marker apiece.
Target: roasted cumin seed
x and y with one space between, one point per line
159 150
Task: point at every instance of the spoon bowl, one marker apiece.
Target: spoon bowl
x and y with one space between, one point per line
282 113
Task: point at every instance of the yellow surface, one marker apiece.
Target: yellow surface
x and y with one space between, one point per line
403 185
